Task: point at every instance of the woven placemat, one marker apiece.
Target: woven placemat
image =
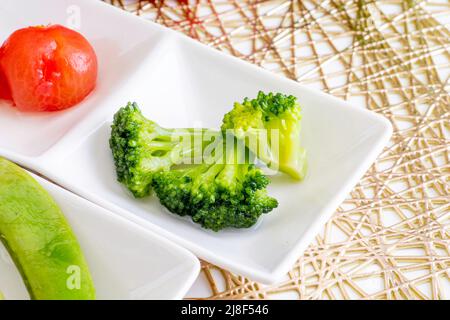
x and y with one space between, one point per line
390 238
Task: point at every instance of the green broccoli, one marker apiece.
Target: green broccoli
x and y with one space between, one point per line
218 193
140 148
224 189
270 127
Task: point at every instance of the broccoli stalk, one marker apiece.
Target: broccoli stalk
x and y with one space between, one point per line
270 127
216 194
140 148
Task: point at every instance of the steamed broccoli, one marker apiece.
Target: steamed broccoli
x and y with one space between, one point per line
270 127
216 194
224 190
141 148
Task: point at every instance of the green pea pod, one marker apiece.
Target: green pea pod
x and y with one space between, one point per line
39 239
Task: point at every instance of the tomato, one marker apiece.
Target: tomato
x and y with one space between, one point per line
47 68
5 93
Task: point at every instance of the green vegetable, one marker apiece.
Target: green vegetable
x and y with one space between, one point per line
278 116
216 194
39 239
141 148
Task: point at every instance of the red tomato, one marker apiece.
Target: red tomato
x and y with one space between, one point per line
5 93
4 88
48 68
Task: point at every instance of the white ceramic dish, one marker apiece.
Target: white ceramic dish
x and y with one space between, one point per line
180 83
126 261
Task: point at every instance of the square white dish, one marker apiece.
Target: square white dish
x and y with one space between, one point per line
126 261
181 83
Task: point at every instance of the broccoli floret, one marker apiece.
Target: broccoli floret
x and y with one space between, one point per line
140 148
270 127
216 194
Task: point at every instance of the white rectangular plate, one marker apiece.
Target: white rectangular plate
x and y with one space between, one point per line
181 83
126 261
